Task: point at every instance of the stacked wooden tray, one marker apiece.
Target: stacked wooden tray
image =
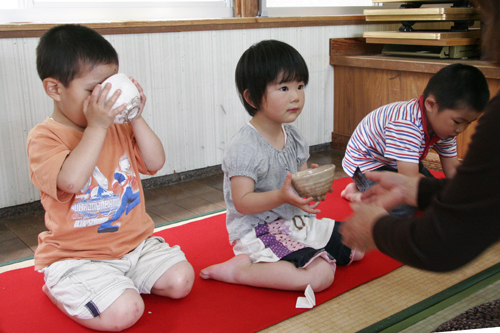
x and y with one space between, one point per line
422 14
457 42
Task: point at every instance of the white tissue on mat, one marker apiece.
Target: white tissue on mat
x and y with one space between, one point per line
306 302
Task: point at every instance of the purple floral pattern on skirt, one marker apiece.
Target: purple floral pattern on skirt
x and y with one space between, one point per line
275 236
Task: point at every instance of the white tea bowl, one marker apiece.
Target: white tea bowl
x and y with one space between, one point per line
130 95
314 182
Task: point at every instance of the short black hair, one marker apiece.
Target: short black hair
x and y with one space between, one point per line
264 63
65 51
459 86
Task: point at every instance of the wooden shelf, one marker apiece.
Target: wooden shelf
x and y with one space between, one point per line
423 35
368 80
410 64
438 42
422 14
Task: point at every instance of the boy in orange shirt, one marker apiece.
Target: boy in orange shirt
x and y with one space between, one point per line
98 255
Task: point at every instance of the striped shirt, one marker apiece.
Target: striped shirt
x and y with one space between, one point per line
391 133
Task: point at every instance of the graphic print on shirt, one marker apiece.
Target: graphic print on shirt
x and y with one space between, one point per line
98 205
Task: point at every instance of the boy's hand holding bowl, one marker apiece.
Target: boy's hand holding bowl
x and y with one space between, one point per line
130 95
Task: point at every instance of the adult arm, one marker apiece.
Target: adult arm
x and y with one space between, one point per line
394 189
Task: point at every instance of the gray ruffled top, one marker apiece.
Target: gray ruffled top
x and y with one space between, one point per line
249 154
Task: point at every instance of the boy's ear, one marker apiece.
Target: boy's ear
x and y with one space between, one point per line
51 87
246 96
431 104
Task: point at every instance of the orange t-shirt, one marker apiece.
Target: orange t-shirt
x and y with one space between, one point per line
108 218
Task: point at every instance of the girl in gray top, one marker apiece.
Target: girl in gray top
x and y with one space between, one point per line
276 237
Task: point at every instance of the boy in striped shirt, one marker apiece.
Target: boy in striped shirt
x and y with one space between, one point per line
397 137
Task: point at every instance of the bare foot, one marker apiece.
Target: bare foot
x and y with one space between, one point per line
351 193
228 270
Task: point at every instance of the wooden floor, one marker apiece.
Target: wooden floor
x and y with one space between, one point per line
18 234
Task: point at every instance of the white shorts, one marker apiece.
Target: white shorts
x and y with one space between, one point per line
87 287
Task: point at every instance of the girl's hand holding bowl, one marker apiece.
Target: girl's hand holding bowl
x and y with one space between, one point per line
314 182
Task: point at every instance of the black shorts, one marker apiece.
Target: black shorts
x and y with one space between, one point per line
334 248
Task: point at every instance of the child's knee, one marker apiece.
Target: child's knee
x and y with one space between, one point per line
124 312
176 282
323 281
182 282
322 276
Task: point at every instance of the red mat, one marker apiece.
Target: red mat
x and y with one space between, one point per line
211 306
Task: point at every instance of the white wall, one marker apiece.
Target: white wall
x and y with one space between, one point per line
188 78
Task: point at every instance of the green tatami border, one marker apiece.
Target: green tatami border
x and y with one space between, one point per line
435 303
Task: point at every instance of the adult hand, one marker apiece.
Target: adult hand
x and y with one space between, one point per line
357 231
393 190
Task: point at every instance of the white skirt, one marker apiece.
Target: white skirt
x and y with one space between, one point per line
270 242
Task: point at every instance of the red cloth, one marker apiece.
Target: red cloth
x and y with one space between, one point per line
211 306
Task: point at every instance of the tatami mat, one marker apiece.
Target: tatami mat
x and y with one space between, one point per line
381 298
488 294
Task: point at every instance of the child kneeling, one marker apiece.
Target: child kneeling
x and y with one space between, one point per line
276 237
397 137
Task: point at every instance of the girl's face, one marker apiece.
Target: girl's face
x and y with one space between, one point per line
283 102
